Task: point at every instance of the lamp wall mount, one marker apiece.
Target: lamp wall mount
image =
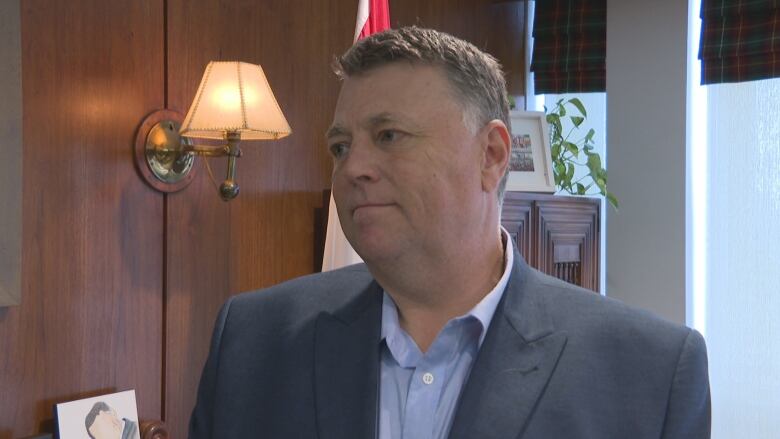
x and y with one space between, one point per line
167 161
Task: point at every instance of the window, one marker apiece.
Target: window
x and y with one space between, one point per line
734 233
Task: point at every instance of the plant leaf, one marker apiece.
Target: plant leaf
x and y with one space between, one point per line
577 121
560 169
589 136
572 148
613 200
556 150
577 103
602 185
561 108
554 120
570 172
580 189
594 164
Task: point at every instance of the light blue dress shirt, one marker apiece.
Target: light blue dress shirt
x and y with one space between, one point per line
419 392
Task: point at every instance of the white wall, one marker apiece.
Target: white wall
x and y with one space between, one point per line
646 105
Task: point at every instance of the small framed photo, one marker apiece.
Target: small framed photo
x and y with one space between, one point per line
112 416
530 166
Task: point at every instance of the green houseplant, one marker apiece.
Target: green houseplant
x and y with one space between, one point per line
572 149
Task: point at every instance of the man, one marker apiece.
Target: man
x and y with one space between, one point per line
445 332
102 422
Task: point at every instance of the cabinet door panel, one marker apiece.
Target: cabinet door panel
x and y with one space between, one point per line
567 239
516 219
558 235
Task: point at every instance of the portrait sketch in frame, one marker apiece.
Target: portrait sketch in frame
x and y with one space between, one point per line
530 164
112 416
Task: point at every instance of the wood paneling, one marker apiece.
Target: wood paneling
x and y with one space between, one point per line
496 27
265 235
90 317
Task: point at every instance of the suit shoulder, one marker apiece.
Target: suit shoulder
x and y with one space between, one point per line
304 296
582 311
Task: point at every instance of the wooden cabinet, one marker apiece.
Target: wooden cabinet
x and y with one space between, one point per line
558 235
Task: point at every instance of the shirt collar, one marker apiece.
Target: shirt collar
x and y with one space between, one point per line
482 311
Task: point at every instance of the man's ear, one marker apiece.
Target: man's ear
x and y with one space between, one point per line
496 151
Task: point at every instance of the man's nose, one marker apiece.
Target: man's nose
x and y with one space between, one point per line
361 165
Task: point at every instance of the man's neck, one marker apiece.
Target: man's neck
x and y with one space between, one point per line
431 293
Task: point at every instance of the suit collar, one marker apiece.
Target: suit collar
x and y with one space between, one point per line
346 367
516 361
514 365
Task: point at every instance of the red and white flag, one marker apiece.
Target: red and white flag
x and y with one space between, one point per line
372 16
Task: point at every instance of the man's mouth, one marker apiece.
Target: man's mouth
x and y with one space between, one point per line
370 206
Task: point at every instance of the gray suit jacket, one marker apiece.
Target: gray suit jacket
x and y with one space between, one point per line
301 360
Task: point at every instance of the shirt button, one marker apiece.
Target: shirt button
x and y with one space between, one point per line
427 378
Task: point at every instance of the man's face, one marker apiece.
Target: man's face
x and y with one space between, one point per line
106 426
406 174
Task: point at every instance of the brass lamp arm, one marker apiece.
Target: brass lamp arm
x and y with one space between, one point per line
210 151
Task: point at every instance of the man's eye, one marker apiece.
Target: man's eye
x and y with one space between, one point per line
338 150
388 136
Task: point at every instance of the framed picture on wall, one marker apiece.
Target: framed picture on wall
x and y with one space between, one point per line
530 165
112 416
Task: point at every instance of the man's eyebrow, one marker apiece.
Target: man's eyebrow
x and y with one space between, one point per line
407 123
373 121
382 118
336 130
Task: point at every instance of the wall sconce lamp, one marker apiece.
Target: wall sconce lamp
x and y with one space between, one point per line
234 102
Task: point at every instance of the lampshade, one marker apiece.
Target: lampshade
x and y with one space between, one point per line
234 97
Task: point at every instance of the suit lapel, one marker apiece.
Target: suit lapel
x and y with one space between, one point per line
346 366
513 366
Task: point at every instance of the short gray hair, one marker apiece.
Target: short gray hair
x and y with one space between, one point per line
475 75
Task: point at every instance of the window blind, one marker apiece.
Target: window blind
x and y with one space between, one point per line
740 40
570 46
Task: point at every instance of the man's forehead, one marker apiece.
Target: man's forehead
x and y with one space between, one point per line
397 92
402 73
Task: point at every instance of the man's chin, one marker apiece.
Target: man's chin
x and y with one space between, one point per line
374 248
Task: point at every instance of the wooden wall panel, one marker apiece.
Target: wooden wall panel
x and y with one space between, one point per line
265 235
494 26
90 317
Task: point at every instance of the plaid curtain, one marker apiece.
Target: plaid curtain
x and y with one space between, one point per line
740 40
570 46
